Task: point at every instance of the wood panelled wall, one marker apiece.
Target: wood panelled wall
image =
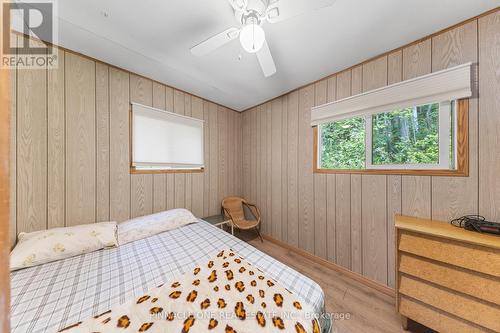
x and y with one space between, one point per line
70 148
349 219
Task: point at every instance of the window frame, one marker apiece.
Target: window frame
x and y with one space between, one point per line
461 134
140 171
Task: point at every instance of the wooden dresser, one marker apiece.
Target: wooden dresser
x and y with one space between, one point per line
447 278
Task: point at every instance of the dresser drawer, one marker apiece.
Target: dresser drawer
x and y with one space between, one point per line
471 309
436 319
475 284
473 257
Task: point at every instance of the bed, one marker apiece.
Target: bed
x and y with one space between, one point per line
49 297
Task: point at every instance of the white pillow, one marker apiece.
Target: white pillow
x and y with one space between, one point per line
149 225
44 246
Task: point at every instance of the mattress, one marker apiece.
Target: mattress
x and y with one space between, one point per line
49 297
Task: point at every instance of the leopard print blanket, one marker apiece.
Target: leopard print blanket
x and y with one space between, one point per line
228 295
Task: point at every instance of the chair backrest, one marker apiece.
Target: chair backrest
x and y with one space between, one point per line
235 206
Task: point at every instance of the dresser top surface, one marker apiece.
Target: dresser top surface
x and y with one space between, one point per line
446 230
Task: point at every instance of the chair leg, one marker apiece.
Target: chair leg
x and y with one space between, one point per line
260 236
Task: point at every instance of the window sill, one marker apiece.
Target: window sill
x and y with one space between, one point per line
146 172
414 172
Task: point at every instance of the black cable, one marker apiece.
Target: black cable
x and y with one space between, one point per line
467 221
476 223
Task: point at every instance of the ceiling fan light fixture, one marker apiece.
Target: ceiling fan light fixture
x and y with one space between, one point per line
252 37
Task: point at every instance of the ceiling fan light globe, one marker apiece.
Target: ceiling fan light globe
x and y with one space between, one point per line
252 37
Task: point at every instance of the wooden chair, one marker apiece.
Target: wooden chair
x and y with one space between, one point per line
232 208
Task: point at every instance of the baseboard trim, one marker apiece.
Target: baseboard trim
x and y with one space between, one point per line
350 274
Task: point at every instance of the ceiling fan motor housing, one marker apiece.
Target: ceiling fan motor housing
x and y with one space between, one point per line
255 9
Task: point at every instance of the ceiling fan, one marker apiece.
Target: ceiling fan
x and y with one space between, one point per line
252 14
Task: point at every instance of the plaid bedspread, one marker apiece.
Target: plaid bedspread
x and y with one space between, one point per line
49 297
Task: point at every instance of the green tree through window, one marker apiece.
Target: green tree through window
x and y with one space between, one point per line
343 144
406 136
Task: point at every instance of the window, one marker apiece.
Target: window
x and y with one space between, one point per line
418 126
429 137
165 142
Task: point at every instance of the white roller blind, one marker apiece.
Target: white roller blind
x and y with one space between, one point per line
162 139
446 85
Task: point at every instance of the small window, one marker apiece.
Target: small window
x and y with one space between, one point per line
165 142
420 137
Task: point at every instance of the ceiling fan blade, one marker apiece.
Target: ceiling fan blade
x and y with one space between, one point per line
239 5
266 60
215 42
281 10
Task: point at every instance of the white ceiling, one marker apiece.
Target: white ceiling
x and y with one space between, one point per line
153 38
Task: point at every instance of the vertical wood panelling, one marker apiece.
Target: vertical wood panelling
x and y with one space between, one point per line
489 116
357 80
306 179
266 168
374 196
356 226
56 144
179 178
159 180
416 196
264 154
31 149
356 191
214 204
292 183
188 177
70 148
256 179
245 141
320 213
197 179
261 163
343 192
102 142
13 151
417 189
268 130
451 196
360 209
343 220
260 146
81 144
276 116
395 67
254 127
393 208
206 157
141 186
284 169
330 189
375 74
394 75
230 145
344 84
239 164
170 187
222 169
119 180
374 232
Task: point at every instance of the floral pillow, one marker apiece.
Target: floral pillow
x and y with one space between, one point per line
44 246
149 225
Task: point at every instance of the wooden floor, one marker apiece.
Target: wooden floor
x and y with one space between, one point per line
370 311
